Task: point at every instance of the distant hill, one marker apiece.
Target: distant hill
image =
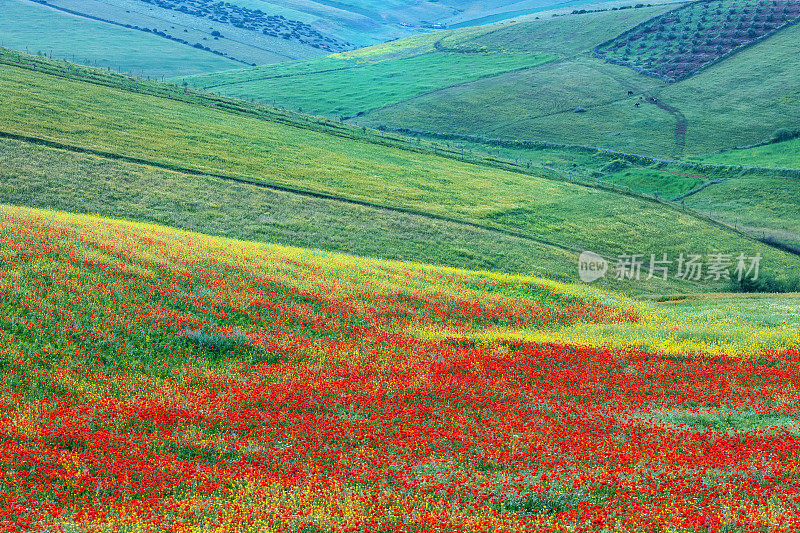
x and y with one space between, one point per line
575 98
184 37
97 43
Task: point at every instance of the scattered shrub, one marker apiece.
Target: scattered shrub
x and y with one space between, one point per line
217 342
615 166
765 283
785 134
549 502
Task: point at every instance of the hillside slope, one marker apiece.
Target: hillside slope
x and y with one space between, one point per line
784 154
322 84
559 220
186 37
741 100
100 44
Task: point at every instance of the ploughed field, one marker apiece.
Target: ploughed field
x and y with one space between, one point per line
158 380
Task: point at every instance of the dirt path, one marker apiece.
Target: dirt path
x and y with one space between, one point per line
680 127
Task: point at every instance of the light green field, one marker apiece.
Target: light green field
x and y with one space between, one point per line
761 202
558 219
37 176
540 104
778 155
96 43
360 89
768 204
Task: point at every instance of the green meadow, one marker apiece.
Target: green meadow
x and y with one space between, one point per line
352 88
774 155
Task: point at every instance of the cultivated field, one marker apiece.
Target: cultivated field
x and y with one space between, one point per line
683 41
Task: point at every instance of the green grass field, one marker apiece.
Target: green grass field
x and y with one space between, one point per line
778 155
539 104
96 43
558 219
362 88
766 203
400 71
37 176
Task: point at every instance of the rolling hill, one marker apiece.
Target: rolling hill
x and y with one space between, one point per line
100 44
225 316
541 221
738 101
185 37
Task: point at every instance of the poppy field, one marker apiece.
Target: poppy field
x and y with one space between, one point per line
158 380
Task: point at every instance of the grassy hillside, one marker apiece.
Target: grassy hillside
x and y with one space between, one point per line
355 89
186 37
37 176
558 219
695 116
766 203
249 32
774 155
152 379
96 43
455 54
